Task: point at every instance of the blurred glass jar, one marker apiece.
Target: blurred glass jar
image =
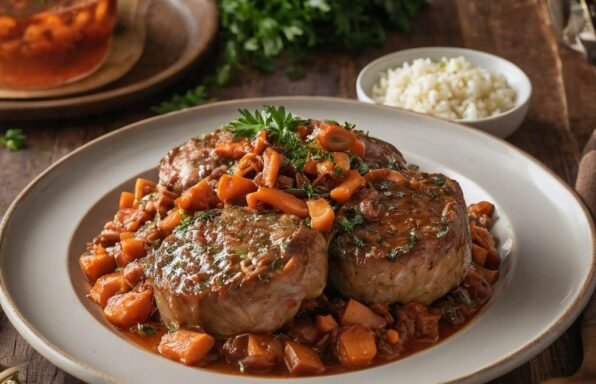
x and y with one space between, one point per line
47 43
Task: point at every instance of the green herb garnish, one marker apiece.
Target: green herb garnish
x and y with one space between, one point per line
13 139
146 329
352 218
439 180
188 99
396 252
442 230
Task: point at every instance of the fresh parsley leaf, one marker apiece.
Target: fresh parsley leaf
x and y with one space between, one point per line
146 329
396 252
13 139
188 99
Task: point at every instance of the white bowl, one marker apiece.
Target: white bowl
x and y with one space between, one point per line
502 125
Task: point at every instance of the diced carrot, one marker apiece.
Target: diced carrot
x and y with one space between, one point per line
126 235
133 274
132 249
482 237
248 163
171 221
260 142
107 286
342 160
414 183
264 351
344 191
325 167
302 131
321 214
356 347
232 150
358 313
325 324
481 208
185 346
272 162
279 200
127 200
358 147
234 188
301 359
384 174
392 336
479 254
333 137
129 308
96 265
196 198
490 275
143 187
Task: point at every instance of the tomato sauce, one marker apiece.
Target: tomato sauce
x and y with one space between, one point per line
52 42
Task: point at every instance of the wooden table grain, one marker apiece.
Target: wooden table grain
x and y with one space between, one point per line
561 118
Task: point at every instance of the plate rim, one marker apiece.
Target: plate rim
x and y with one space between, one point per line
63 359
49 107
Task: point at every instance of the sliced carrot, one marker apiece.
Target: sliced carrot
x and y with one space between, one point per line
264 351
321 214
188 347
107 286
260 142
481 208
392 336
301 359
196 198
171 221
356 347
358 148
358 313
232 150
333 137
96 265
384 174
479 254
344 191
143 187
127 200
129 308
234 188
324 167
310 167
132 249
325 324
272 162
342 160
248 163
279 200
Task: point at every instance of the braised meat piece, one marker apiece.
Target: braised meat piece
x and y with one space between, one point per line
402 241
381 154
186 165
232 271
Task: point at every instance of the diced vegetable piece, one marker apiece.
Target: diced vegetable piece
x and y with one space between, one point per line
342 160
344 191
126 235
107 286
358 148
392 336
325 324
185 346
272 162
321 214
482 208
196 198
132 249
143 187
129 308
232 150
127 200
356 347
333 137
234 188
324 167
171 221
260 142
97 264
310 167
482 237
302 360
263 351
280 200
491 276
134 273
384 174
248 163
479 254
358 313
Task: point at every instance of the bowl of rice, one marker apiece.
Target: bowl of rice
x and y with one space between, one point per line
471 87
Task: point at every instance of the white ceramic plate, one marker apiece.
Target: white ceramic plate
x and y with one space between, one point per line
547 241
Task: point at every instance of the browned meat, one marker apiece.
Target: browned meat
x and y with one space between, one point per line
402 242
381 154
232 271
186 165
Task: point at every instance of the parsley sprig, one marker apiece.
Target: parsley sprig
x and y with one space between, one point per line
188 99
13 139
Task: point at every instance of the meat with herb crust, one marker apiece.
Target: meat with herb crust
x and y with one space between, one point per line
186 165
402 242
232 271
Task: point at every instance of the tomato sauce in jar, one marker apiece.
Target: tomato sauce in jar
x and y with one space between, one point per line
47 43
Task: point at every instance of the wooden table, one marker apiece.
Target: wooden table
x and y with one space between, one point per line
562 116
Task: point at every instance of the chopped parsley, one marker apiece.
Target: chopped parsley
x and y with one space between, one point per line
439 180
352 218
396 252
276 264
442 230
173 327
146 329
359 243
339 171
13 139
